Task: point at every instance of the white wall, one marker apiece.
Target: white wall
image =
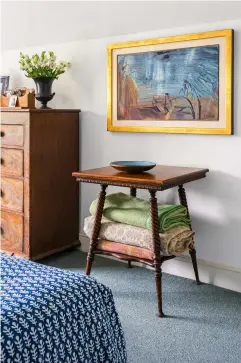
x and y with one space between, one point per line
215 202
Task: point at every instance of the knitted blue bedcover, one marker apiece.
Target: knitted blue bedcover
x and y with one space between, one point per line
50 315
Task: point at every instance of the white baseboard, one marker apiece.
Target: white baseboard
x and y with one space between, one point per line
209 272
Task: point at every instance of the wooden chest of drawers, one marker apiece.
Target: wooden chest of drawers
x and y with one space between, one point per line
39 197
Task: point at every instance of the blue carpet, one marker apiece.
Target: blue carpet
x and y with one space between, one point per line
204 323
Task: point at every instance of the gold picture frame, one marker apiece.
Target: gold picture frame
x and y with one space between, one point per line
213 102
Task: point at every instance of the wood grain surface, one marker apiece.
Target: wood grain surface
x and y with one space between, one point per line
39 154
12 135
11 232
12 194
160 175
12 161
54 202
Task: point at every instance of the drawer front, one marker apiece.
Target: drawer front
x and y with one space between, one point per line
12 194
12 135
11 232
14 117
12 161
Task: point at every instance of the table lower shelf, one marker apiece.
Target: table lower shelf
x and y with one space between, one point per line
127 252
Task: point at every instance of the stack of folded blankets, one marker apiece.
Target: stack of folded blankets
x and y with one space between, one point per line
126 220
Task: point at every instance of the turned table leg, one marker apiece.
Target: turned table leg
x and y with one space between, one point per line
133 192
96 228
129 265
192 250
156 250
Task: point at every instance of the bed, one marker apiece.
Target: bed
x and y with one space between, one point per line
56 316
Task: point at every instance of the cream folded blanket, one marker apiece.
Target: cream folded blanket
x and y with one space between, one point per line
174 242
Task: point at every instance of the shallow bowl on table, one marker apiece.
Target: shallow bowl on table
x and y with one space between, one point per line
133 166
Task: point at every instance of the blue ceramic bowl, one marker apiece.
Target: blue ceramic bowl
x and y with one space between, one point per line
133 167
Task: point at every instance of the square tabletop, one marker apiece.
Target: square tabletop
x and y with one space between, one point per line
160 177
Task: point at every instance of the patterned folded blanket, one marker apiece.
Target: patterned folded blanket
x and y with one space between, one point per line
173 242
123 208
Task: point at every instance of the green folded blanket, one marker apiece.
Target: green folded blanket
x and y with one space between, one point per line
123 208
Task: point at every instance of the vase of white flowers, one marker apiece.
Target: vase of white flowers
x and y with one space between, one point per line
43 69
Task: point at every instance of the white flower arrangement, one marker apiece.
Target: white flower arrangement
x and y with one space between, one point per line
43 65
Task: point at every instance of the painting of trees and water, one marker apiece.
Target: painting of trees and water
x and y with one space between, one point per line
178 84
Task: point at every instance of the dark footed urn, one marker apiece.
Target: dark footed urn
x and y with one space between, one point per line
44 90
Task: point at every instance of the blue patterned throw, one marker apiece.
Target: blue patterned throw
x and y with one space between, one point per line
53 316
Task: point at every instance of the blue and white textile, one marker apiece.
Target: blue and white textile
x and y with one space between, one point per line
50 315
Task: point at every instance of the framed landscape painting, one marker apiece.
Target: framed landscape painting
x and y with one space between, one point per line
180 84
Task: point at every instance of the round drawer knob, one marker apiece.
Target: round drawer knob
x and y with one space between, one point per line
2 231
1 192
2 161
2 133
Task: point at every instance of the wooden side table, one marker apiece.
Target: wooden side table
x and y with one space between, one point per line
158 179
